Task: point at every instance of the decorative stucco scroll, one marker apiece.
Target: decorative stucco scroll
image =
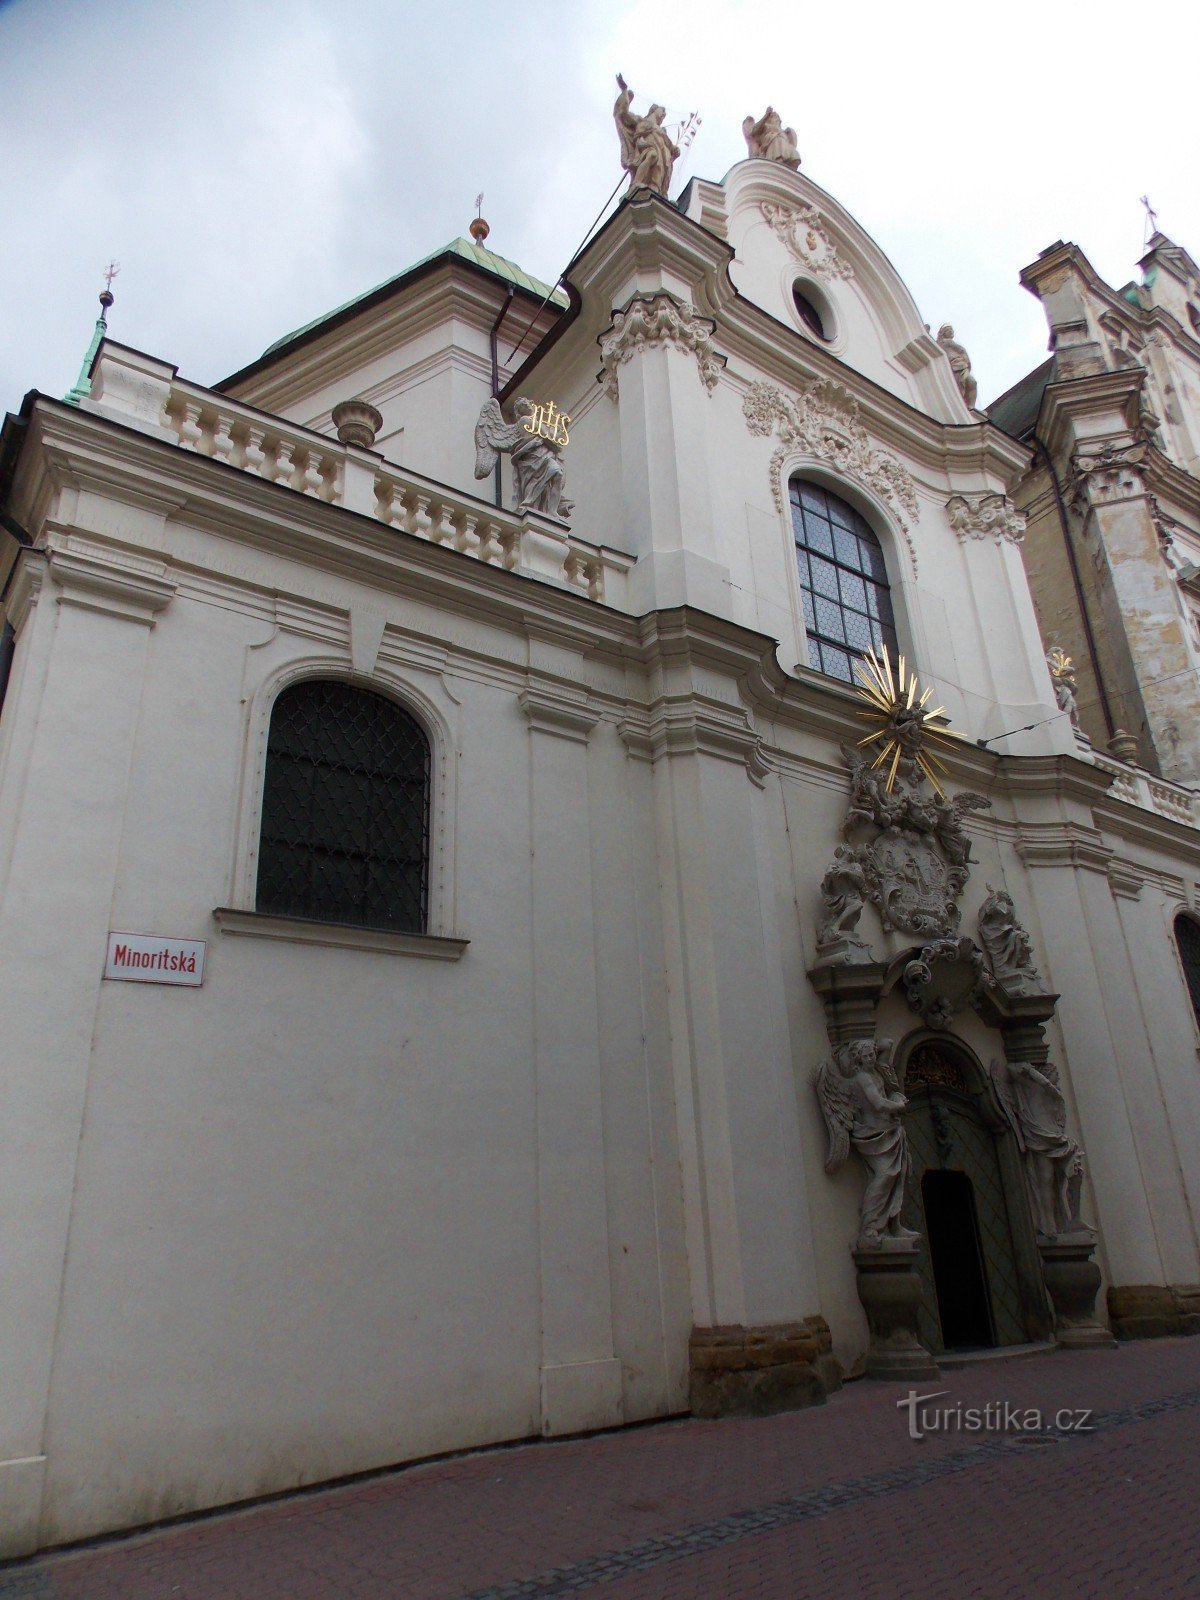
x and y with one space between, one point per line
654 320
983 516
823 420
807 238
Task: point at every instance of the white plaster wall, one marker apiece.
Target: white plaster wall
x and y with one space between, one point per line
304 1223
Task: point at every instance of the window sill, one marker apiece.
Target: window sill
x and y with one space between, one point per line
338 935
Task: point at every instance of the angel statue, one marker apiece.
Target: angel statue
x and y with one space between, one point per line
853 1088
770 140
1033 1103
648 153
536 461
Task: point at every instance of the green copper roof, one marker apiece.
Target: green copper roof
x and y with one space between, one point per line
498 266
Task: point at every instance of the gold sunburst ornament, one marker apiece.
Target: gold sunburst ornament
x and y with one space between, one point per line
906 728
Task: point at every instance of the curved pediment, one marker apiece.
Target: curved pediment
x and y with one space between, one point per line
801 257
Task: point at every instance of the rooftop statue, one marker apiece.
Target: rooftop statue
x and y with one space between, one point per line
960 363
770 140
648 153
536 458
1066 689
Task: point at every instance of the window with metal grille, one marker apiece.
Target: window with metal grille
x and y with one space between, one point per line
345 817
1187 938
843 581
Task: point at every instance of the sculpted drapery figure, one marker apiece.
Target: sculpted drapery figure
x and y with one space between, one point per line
960 363
1037 1112
770 140
647 151
1008 946
1062 675
536 460
862 1104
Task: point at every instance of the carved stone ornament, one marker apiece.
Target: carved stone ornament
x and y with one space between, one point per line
1033 1103
536 460
960 364
357 423
650 321
1008 946
1108 469
824 421
862 1106
769 140
1062 675
985 516
945 976
909 855
648 153
807 238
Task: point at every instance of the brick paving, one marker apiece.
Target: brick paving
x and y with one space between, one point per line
834 1503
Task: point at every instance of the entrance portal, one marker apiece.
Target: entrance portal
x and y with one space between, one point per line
965 1196
956 1256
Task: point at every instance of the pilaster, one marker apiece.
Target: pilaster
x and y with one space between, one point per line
74 728
580 1375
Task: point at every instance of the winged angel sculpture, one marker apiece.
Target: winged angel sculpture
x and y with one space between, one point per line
536 460
862 1103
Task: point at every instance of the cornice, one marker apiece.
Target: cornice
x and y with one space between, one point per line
558 711
249 510
108 579
1062 844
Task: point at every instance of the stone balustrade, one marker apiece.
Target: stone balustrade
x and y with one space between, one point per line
295 457
1138 788
146 394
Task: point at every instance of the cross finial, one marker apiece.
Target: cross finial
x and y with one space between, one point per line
1151 219
106 294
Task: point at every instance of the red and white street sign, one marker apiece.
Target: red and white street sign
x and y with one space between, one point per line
141 958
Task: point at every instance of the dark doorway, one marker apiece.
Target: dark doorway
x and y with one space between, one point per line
964 1307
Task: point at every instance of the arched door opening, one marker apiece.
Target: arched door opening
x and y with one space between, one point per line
966 1196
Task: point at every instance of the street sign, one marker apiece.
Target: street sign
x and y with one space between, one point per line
144 958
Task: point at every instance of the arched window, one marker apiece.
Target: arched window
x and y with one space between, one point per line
345 816
1187 938
843 581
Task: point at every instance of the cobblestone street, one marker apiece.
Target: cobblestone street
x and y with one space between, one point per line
834 1503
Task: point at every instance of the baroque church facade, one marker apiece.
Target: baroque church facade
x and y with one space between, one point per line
547 880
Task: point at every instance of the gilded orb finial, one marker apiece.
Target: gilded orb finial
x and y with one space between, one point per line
479 228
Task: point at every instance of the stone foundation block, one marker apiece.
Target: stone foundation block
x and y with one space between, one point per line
751 1372
1154 1310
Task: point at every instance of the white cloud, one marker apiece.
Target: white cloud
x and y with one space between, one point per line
253 167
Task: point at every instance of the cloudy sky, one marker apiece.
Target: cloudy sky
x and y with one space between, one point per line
251 166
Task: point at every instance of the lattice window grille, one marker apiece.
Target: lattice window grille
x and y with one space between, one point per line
843 581
345 816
